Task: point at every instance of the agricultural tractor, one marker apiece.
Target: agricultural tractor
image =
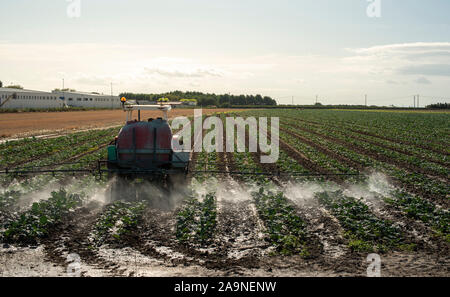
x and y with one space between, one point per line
142 153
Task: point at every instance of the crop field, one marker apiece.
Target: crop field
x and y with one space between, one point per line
365 182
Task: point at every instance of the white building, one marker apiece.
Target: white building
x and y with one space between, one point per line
37 99
94 100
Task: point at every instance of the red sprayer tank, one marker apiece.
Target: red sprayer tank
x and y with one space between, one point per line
144 144
145 147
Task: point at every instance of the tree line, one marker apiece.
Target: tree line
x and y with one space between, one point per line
19 87
439 106
205 99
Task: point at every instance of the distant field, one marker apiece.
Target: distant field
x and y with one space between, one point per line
398 110
36 123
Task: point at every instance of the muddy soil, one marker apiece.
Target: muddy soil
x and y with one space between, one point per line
239 247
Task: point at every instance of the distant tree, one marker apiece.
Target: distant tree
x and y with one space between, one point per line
1 84
15 87
205 99
439 106
224 99
66 90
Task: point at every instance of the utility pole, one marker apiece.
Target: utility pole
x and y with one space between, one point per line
317 98
414 102
365 99
418 101
292 100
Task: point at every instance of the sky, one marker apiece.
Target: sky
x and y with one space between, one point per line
291 50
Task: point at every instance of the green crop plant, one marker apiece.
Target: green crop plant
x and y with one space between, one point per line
423 210
36 222
285 229
119 219
186 226
8 200
197 220
38 152
365 231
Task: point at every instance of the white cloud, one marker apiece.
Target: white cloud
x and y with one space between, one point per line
426 69
423 80
181 73
418 58
404 48
178 67
392 82
93 80
195 84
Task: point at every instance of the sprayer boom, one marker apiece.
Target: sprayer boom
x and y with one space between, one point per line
130 107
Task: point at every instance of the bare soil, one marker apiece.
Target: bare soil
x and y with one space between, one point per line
16 125
238 250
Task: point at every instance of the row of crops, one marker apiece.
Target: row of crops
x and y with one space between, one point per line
31 205
419 171
365 229
410 149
